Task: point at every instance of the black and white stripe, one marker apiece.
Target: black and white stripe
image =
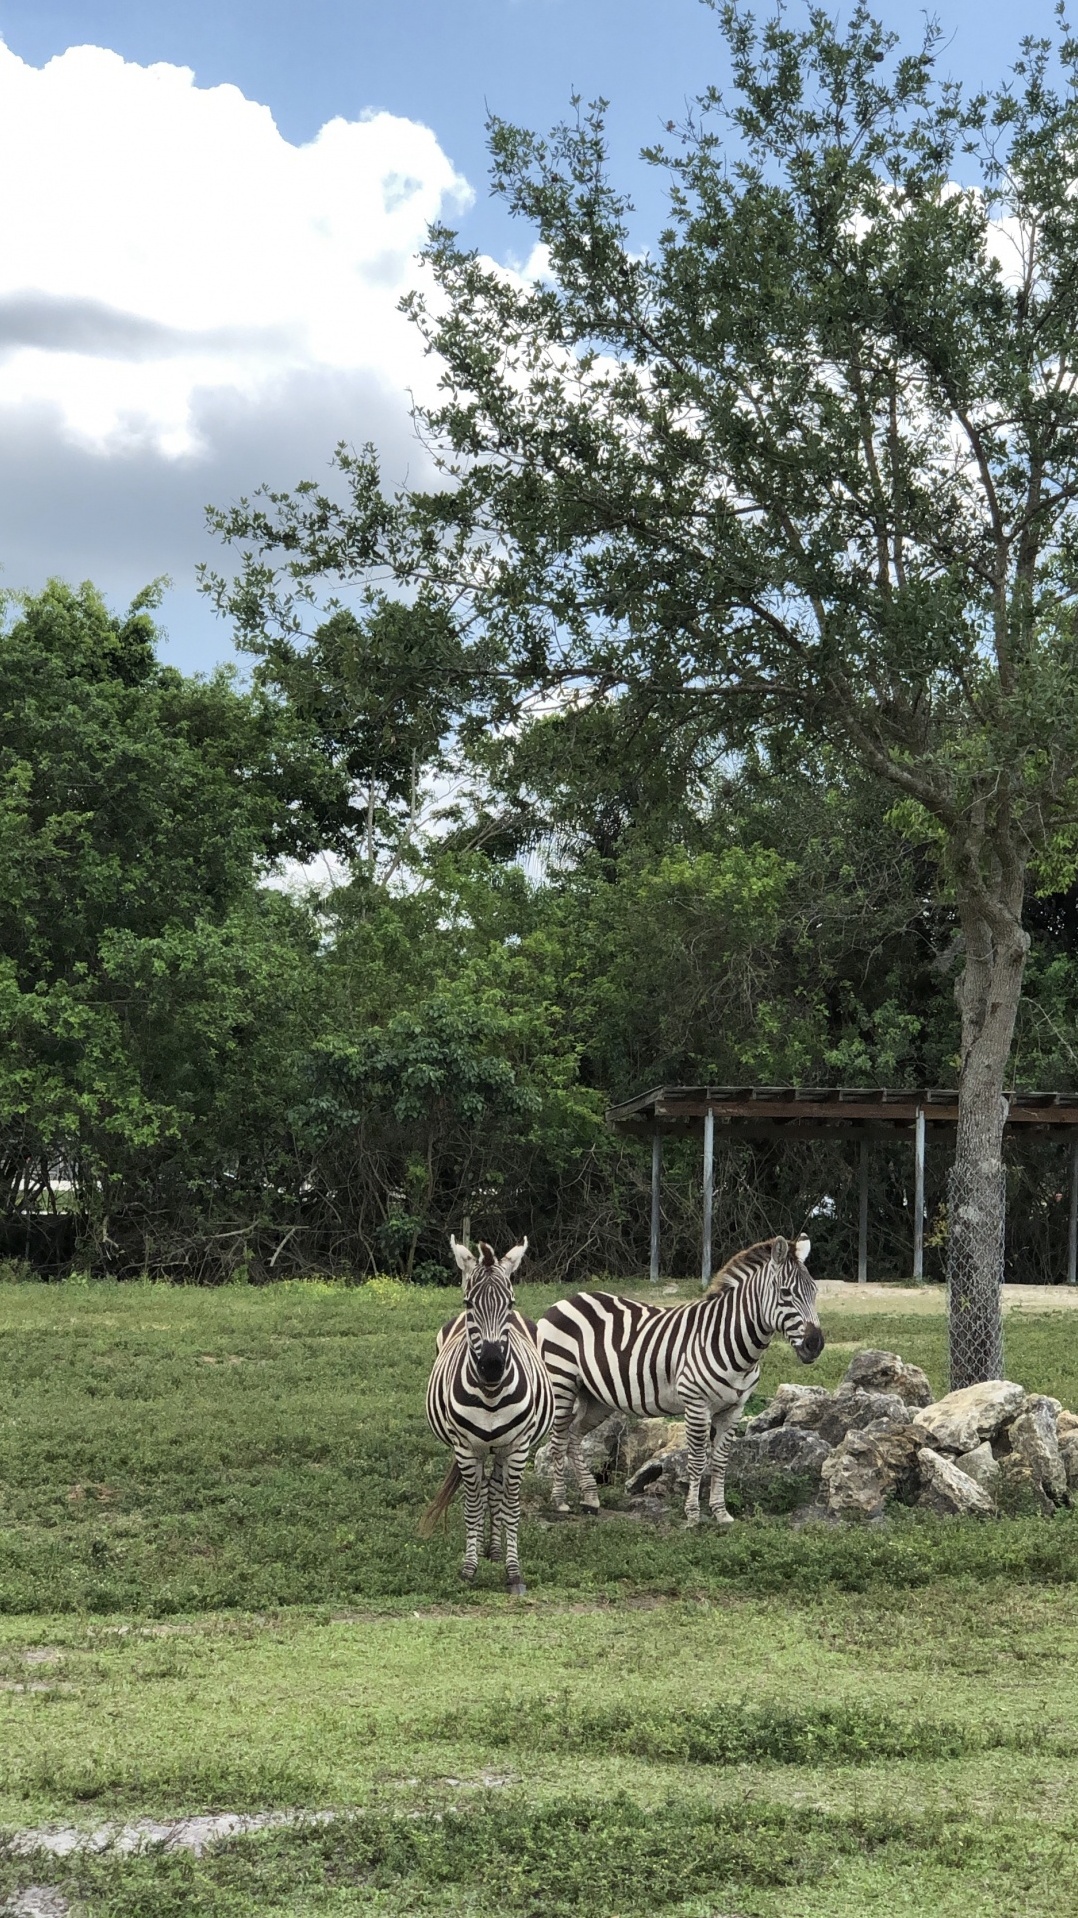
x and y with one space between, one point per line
490 1400
698 1361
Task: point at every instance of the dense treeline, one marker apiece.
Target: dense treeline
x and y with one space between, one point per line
208 1073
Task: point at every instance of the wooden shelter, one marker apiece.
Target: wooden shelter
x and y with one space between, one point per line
813 1112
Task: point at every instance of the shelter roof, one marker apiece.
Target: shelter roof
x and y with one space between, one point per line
760 1112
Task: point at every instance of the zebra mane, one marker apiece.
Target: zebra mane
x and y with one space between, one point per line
740 1266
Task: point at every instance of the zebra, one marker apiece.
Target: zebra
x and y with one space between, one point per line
700 1360
489 1399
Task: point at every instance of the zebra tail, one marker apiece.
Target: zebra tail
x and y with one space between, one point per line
441 1502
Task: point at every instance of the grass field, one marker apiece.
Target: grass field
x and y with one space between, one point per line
212 1597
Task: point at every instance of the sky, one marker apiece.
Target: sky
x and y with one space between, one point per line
211 208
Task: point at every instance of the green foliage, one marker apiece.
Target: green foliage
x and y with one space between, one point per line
141 968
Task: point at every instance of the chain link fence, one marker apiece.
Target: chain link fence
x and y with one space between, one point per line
977 1209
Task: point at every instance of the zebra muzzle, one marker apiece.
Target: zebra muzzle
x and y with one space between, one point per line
810 1344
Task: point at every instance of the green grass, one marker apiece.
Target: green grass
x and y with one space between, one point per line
166 1450
212 1597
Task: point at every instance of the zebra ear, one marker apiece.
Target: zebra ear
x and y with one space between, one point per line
802 1248
780 1250
466 1260
512 1259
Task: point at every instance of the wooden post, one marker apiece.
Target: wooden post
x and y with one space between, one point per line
1072 1237
656 1168
709 1195
862 1219
919 1197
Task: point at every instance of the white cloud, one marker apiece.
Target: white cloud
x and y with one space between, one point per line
176 282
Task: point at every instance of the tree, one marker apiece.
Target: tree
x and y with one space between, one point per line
150 992
806 469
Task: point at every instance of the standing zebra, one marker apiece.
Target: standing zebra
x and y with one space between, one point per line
489 1398
701 1360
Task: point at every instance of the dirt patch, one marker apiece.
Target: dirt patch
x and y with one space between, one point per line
148 1834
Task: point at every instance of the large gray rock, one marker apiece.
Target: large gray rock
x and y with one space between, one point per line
847 1410
619 1444
960 1421
665 1476
886 1372
1035 1446
949 1492
1068 1452
782 1405
982 1466
869 1469
777 1469
1021 1493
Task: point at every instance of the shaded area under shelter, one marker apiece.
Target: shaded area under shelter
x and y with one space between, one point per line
813 1112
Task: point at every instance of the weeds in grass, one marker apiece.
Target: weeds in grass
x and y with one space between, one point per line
736 1733
576 1859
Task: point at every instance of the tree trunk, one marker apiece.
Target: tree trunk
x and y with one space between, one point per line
988 993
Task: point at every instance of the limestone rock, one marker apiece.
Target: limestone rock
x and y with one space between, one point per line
619 1444
1068 1452
886 1372
782 1405
981 1466
960 1421
777 1469
1066 1423
645 1439
870 1468
664 1476
1034 1444
847 1410
1021 1492
949 1492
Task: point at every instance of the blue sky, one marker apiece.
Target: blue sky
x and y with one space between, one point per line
148 362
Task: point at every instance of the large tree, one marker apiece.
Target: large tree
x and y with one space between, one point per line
808 467
150 990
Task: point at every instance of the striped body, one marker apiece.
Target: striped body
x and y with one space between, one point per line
698 1361
490 1400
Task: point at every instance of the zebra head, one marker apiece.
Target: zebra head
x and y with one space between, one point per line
795 1298
488 1302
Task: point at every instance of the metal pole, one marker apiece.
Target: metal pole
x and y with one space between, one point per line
709 1195
1072 1238
919 1197
862 1219
656 1168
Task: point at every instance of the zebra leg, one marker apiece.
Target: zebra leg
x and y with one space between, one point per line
697 1433
588 1413
564 1408
722 1432
511 1475
475 1505
495 1506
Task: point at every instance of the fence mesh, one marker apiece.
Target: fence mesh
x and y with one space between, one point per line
976 1212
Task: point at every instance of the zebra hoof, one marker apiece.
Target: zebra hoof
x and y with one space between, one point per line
722 1519
466 1576
516 1587
591 1506
692 1521
562 1508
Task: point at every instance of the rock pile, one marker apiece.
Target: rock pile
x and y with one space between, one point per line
878 1440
